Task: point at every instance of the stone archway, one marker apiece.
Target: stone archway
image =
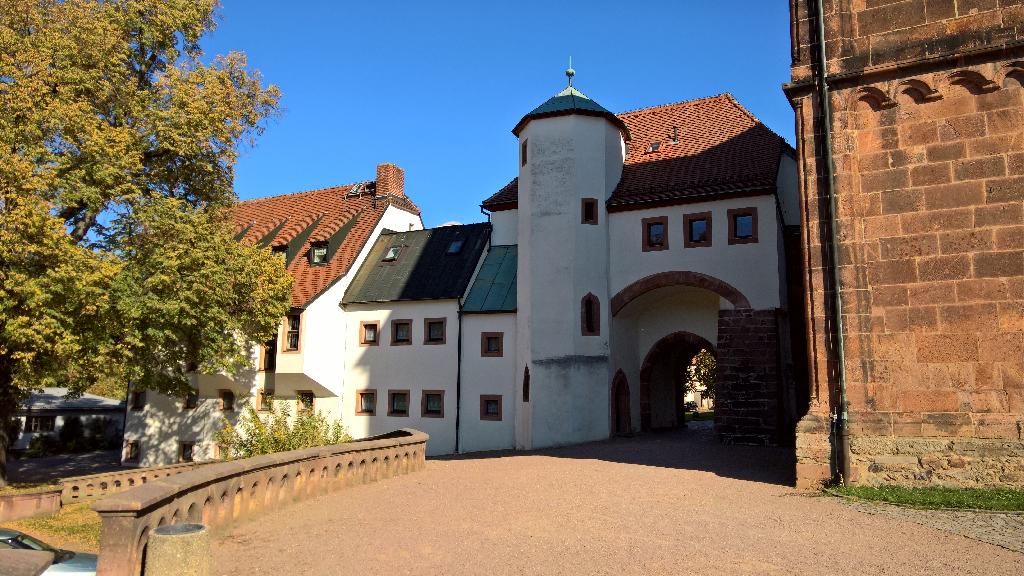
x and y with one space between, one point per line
678 278
660 392
621 424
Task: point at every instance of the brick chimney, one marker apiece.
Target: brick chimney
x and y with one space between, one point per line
390 180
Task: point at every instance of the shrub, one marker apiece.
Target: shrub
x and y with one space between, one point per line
43 445
72 434
257 434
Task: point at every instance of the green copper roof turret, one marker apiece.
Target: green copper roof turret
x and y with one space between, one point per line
571 101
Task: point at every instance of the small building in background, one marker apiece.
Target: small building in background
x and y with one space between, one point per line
45 413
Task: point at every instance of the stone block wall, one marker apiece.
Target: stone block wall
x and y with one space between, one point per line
928 137
748 381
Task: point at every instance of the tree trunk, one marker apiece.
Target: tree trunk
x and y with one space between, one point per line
8 405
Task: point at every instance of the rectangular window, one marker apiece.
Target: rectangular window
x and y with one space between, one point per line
742 225
264 400
227 400
281 252
492 344
138 400
366 402
186 452
318 253
191 400
292 323
434 330
392 254
697 230
490 407
401 332
369 333
268 355
131 451
221 452
432 405
588 211
304 400
522 153
398 402
455 246
42 423
655 233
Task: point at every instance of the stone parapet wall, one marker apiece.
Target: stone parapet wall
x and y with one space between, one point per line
919 461
81 488
28 504
747 385
220 494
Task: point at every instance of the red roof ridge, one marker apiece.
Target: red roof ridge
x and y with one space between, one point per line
659 107
324 189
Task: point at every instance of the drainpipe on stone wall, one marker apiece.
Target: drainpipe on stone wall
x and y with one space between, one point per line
842 419
458 382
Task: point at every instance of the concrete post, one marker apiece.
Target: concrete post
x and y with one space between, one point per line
179 550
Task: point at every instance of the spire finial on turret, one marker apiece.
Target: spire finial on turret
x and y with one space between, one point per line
570 72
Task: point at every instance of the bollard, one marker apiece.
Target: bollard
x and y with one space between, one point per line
179 550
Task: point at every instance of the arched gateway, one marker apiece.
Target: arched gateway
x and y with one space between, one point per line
662 377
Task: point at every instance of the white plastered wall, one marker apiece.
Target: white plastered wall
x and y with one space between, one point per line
488 375
753 269
504 227
414 367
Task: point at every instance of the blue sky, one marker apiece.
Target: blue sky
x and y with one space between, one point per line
436 87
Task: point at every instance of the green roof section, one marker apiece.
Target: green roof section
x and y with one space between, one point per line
495 287
432 264
570 101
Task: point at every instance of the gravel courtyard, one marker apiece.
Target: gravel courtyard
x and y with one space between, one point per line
674 503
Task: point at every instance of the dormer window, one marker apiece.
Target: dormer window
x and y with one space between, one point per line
281 252
455 246
318 254
392 254
654 146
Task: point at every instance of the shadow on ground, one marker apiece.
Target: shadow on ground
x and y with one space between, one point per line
691 448
53 468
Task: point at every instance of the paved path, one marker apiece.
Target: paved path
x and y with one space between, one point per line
53 468
676 503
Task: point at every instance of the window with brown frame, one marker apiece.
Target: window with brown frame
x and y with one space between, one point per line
138 400
590 315
401 332
369 333
186 451
304 400
227 400
522 152
588 211
655 233
264 400
432 404
292 324
742 225
366 402
697 230
492 344
191 400
490 407
434 330
131 451
398 402
318 254
268 355
221 452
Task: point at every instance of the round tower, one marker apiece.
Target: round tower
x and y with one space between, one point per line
571 157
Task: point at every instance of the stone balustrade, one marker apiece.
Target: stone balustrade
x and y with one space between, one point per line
81 488
222 493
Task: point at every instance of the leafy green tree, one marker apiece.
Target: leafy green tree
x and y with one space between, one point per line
703 374
257 434
117 147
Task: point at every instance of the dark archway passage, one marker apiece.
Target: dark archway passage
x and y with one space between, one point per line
622 424
663 377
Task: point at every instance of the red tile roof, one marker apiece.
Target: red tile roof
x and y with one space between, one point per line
721 149
330 209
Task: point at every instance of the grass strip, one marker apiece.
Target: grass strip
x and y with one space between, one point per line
75 527
996 499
